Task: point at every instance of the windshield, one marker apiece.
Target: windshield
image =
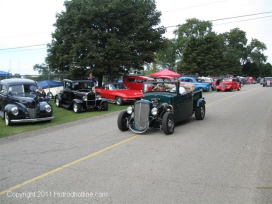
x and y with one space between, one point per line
160 87
119 86
23 90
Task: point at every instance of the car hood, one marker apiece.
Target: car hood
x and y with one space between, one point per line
27 102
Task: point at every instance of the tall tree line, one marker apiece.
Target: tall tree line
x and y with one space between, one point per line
111 37
197 49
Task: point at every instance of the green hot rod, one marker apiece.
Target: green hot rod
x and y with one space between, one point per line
162 105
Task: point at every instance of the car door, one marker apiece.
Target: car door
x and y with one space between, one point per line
184 106
3 98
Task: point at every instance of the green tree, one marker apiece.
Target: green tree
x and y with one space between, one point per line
234 47
203 56
167 57
192 28
106 37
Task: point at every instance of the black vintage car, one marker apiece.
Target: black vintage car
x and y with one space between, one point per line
19 102
161 107
80 96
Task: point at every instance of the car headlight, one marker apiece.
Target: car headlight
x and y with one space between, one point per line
14 111
98 97
154 111
129 110
84 98
48 108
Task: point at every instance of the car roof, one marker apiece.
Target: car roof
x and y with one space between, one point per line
17 81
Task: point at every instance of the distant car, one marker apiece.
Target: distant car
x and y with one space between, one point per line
167 78
209 80
134 82
19 102
267 81
261 81
118 93
250 80
51 87
202 86
228 84
79 96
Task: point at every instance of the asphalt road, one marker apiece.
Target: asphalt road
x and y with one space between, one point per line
226 158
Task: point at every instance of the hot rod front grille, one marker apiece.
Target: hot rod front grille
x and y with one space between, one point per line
141 117
223 86
32 112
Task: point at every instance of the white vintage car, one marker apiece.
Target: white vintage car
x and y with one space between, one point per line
51 88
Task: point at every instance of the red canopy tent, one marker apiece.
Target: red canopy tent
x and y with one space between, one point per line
165 72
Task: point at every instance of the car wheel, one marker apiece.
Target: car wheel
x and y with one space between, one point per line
57 101
217 90
7 119
168 123
77 107
200 112
200 89
50 95
104 106
119 101
122 121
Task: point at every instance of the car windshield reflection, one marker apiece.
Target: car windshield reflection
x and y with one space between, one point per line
23 90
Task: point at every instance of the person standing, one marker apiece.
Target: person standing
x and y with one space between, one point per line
93 81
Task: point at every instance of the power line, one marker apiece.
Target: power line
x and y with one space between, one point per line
243 20
22 47
172 26
220 19
234 17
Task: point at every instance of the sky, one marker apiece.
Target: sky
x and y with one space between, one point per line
26 26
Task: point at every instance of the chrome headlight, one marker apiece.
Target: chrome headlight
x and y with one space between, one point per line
84 98
154 111
129 110
98 97
48 108
14 110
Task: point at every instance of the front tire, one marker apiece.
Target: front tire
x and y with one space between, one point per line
7 119
77 107
104 106
200 112
168 123
122 121
57 101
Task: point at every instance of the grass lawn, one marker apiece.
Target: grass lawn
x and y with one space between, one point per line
61 115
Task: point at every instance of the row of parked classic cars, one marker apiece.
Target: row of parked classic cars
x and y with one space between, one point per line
157 108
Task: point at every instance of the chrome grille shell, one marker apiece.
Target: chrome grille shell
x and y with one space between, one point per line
141 116
32 112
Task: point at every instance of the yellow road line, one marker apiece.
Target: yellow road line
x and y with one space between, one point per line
242 92
66 165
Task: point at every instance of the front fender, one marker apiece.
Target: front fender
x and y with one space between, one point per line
200 101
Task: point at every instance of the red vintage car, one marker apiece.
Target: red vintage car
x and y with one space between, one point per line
228 84
136 82
117 93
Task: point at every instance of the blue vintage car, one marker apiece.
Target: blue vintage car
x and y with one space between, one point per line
202 86
19 102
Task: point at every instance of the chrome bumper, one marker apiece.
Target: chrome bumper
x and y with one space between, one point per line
31 120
